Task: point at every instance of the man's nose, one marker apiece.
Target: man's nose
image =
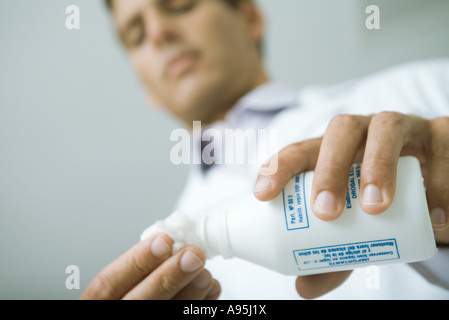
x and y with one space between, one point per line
162 30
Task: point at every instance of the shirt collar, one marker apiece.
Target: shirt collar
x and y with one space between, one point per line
264 101
268 97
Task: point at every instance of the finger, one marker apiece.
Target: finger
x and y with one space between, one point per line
314 286
437 182
386 137
199 288
171 277
291 160
390 134
342 141
214 293
116 279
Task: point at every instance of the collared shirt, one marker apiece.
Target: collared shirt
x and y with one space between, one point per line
420 88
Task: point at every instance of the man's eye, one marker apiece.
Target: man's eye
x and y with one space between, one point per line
136 37
139 39
181 6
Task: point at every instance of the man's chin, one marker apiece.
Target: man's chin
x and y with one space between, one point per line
196 101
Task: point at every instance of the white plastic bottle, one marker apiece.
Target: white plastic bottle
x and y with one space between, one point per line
284 235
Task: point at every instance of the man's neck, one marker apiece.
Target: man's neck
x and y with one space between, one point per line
221 115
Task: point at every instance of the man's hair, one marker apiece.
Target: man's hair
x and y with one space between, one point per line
232 3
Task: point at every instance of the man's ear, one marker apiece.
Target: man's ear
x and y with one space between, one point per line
254 20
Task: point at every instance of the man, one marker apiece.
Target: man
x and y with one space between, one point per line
202 60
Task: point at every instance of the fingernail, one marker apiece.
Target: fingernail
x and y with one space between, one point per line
202 280
438 217
372 195
262 183
160 248
325 203
190 262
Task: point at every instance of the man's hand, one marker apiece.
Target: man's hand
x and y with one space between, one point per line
377 142
149 271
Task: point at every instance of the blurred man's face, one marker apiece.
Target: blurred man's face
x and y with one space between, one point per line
195 57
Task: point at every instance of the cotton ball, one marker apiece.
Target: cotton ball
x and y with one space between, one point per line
180 227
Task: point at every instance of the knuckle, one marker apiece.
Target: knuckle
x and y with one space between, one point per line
332 170
306 151
442 123
136 266
379 170
291 151
346 121
389 119
379 162
167 285
284 161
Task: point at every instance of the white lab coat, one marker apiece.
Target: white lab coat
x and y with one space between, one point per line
420 88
